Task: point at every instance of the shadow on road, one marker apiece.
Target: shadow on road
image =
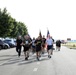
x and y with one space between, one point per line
32 61
20 61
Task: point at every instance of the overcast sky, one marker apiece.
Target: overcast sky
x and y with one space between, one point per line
59 16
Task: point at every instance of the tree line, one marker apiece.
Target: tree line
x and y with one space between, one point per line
9 27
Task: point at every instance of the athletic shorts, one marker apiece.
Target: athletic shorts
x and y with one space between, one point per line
26 48
33 47
38 49
49 47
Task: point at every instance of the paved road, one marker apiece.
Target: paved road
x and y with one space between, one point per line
61 63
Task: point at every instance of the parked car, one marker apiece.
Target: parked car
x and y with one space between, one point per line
3 45
11 42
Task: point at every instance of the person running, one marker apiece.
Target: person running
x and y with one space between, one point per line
43 44
33 45
49 42
30 47
58 45
38 43
53 45
26 45
19 45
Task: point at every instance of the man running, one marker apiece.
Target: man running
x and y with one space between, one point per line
38 43
43 44
26 45
53 45
33 45
49 42
19 45
58 45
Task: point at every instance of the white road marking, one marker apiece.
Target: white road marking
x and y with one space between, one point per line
35 69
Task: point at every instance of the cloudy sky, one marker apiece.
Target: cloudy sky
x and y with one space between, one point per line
59 16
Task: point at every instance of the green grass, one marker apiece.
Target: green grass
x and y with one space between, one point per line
71 45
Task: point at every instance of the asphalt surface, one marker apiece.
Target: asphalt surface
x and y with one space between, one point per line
62 63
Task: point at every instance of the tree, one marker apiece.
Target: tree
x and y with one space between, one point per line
9 27
6 24
22 29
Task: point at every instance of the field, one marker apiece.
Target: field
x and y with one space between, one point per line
71 45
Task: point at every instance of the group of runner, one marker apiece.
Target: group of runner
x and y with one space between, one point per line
37 46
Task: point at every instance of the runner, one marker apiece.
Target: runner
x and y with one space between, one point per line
58 45
53 45
43 44
49 42
26 45
38 43
19 45
33 45
31 42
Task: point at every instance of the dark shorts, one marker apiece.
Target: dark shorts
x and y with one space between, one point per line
58 45
26 48
33 47
38 49
50 47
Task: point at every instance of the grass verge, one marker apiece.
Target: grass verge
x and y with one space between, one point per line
71 45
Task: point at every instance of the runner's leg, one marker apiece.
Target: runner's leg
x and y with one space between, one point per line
19 52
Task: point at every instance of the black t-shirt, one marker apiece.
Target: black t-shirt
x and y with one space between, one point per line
58 43
19 41
38 43
27 42
43 40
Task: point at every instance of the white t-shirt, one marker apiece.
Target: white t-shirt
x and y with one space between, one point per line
49 42
33 42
